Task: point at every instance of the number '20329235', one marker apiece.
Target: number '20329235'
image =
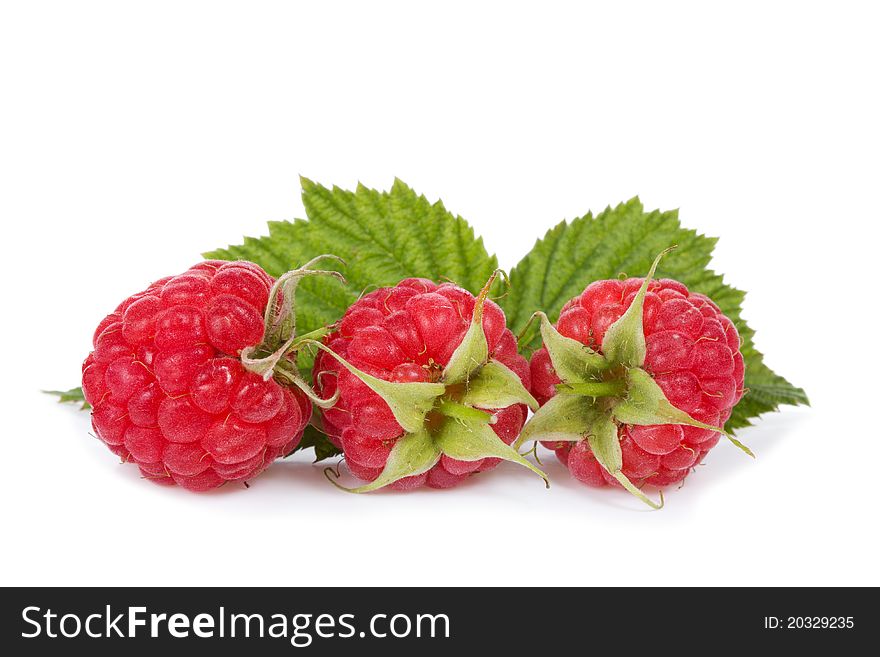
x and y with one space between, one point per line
810 622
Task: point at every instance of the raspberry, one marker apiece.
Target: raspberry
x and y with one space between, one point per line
665 419
431 386
174 388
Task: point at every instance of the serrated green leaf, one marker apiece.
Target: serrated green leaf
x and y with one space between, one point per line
412 454
496 386
384 236
315 438
72 396
765 391
471 441
625 239
563 417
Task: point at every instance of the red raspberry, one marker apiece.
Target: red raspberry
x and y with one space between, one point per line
169 389
407 334
692 354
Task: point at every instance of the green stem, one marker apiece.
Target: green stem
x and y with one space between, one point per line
520 341
286 369
317 334
462 412
275 359
593 388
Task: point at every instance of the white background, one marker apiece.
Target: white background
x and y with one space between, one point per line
133 136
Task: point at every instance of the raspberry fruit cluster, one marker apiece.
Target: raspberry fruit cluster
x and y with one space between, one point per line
692 353
174 389
408 335
636 380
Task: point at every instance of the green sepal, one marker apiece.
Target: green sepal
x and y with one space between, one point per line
563 417
72 396
409 402
611 388
412 454
602 436
459 411
574 362
645 404
279 321
624 341
291 375
473 351
496 386
280 317
605 446
472 440
740 445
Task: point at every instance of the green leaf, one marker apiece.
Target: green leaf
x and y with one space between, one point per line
624 341
605 446
765 390
412 454
409 402
72 396
496 386
315 438
646 404
471 441
384 236
574 362
626 239
563 417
